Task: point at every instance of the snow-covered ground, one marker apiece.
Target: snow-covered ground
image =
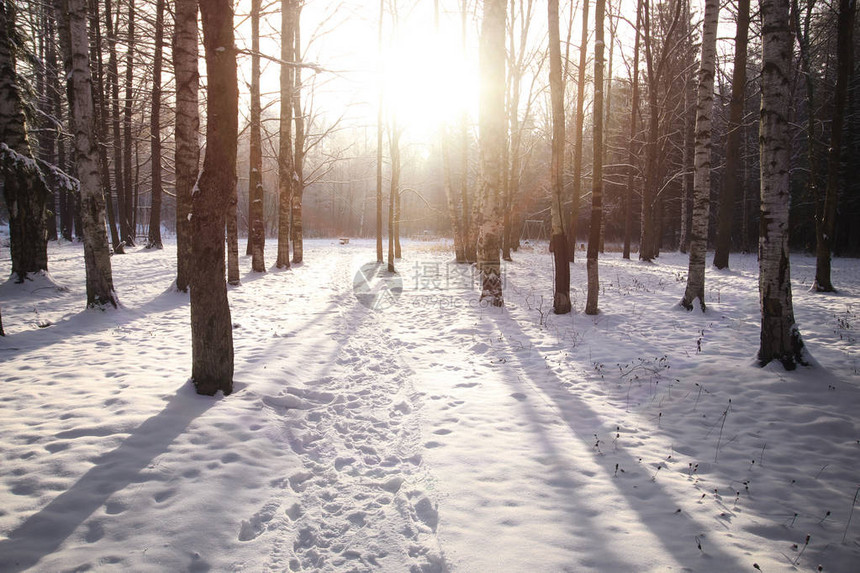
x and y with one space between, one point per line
429 433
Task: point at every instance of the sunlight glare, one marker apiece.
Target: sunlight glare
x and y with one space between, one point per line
426 79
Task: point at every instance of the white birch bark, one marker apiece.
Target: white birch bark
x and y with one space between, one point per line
285 150
702 160
72 18
780 337
491 121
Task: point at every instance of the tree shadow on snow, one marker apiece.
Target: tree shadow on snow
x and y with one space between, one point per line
44 532
643 495
90 321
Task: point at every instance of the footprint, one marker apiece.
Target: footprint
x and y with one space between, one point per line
466 385
403 407
230 458
433 444
297 481
294 511
254 527
518 396
393 485
427 513
442 432
341 463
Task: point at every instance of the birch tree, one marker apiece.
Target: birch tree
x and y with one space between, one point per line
558 241
631 154
296 229
491 123
100 109
211 327
187 126
577 134
597 170
379 132
470 234
257 234
232 227
128 216
780 337
72 19
285 149
154 240
24 187
125 231
702 160
394 189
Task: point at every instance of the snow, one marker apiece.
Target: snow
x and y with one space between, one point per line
431 433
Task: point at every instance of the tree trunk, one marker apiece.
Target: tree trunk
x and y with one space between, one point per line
631 153
825 228
398 251
597 176
732 172
649 247
688 154
451 201
63 196
115 121
379 131
577 134
394 148
72 16
257 234
702 160
647 241
47 78
517 66
470 236
298 181
780 337
211 327
24 188
154 240
128 217
613 28
100 108
185 55
233 238
491 123
558 241
285 149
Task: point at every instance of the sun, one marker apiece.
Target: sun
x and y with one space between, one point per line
427 81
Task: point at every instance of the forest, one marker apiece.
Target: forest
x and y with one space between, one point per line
371 228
